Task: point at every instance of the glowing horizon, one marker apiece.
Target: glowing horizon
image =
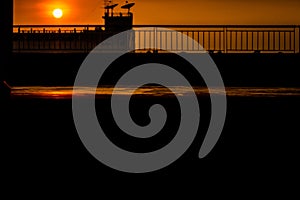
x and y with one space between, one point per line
162 12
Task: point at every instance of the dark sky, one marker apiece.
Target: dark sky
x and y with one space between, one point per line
163 11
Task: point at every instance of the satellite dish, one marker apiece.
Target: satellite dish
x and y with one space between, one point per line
111 6
128 6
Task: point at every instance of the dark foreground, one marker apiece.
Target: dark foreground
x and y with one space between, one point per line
258 147
278 69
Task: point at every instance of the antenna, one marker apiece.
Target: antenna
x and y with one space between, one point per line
111 6
128 6
107 2
108 5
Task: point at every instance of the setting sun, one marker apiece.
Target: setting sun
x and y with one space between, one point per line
57 13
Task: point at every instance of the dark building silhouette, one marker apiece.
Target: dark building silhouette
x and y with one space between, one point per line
6 23
6 31
118 21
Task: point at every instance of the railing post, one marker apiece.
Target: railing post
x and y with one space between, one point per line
297 38
155 38
225 39
294 39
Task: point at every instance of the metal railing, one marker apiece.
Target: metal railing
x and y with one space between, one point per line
214 38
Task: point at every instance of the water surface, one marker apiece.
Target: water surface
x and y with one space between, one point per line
66 92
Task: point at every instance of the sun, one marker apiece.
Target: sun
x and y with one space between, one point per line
57 13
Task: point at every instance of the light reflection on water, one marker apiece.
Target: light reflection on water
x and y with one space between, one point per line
66 92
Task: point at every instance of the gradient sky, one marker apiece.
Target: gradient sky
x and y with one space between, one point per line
163 11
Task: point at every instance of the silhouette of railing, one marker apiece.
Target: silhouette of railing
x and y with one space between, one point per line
214 38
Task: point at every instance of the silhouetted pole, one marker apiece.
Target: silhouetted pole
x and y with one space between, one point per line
6 32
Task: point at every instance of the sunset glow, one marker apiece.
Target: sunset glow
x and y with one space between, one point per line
162 12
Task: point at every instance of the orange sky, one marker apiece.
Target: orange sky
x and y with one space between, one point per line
163 11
